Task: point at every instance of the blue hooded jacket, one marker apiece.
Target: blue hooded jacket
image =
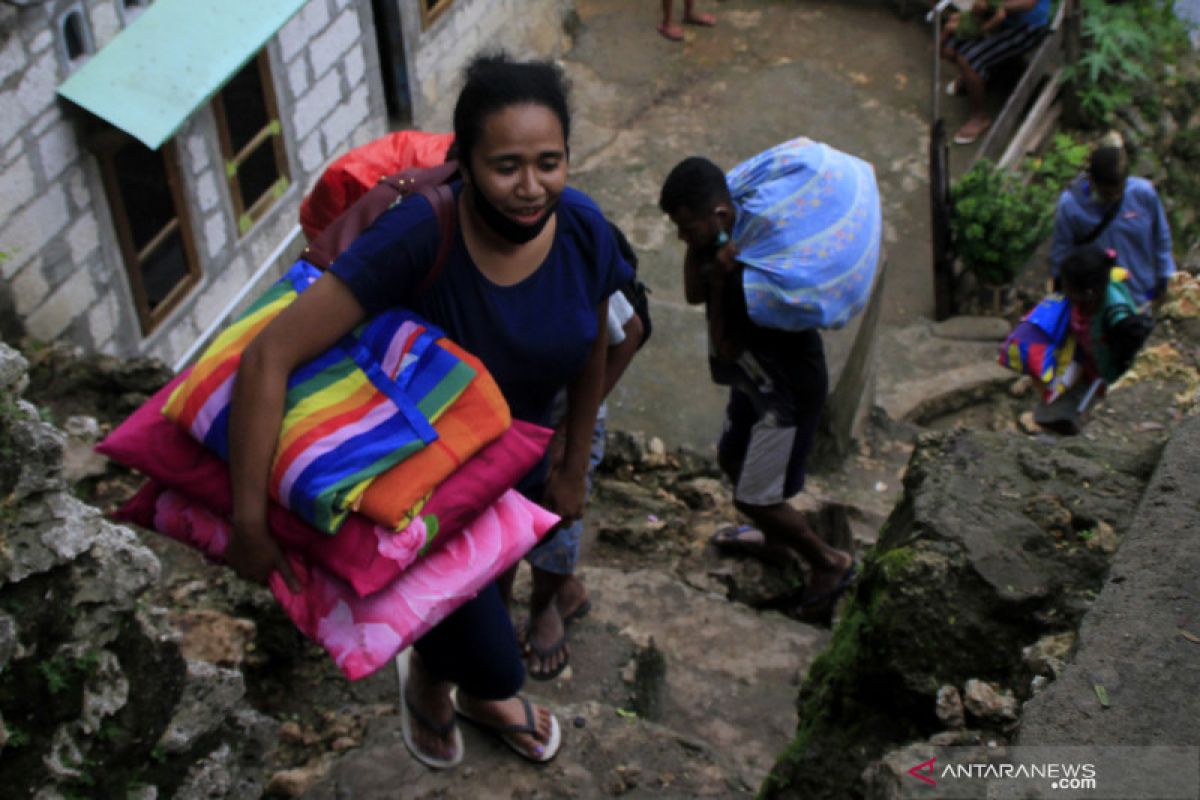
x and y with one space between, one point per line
1139 233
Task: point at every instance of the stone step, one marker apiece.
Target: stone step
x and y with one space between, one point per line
724 704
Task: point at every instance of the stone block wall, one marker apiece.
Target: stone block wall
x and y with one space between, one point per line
436 56
62 273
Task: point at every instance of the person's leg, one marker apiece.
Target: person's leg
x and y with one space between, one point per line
474 648
690 17
669 31
556 594
785 526
764 451
972 83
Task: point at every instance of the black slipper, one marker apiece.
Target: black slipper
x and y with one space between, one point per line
741 539
545 653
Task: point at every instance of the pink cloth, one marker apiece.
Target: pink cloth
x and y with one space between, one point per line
362 553
363 634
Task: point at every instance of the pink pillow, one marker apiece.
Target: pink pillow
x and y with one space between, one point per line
362 553
363 634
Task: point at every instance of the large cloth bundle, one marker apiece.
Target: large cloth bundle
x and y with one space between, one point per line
350 176
808 230
394 420
1042 347
364 554
351 413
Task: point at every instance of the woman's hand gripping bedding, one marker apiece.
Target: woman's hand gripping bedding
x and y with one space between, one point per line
320 316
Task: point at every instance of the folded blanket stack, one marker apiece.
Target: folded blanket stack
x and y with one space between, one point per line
391 485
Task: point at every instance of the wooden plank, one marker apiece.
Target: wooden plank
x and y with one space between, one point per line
1033 128
1045 57
1013 113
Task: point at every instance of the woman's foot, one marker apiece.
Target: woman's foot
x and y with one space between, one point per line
972 129
427 715
543 637
703 20
826 586
530 730
671 32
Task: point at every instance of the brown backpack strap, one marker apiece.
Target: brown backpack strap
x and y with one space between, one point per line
338 235
441 197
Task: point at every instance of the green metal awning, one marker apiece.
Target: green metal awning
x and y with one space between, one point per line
171 60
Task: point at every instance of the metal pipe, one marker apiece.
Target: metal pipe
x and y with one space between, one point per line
202 340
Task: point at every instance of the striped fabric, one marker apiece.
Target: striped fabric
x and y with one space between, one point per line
353 412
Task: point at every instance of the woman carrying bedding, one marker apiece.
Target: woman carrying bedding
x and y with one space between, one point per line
524 288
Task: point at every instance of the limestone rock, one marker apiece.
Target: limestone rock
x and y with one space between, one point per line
1047 656
80 460
14 371
950 707
210 694
211 636
988 702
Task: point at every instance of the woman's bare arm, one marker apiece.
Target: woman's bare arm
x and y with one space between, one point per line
320 316
566 484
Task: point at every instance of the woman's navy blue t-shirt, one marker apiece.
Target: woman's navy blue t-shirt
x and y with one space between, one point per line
533 336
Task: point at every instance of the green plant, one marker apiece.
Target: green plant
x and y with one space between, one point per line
1124 46
1000 216
997 221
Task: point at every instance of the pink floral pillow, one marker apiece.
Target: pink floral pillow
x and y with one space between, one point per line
363 634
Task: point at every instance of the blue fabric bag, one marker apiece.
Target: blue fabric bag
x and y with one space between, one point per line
808 230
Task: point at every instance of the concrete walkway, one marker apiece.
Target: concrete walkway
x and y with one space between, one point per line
768 72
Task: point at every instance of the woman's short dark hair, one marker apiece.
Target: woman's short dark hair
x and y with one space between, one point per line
696 184
1109 165
1087 267
495 82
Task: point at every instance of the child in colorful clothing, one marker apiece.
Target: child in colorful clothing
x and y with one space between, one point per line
1106 326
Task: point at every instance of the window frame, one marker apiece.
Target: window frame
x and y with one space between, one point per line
245 218
149 319
430 15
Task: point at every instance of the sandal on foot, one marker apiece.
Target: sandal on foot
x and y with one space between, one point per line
741 539
702 20
672 33
508 732
545 654
580 612
410 713
965 136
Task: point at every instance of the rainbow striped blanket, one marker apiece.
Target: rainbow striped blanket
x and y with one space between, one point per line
353 412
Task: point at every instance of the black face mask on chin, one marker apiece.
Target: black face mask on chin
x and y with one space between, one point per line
508 230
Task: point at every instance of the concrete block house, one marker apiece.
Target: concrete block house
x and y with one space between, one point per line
154 153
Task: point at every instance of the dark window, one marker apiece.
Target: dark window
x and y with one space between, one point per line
145 194
431 10
75 38
251 141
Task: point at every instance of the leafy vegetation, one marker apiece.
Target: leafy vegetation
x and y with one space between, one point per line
1000 216
1124 45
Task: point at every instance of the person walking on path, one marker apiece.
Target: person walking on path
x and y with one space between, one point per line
525 288
674 32
1118 212
778 382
